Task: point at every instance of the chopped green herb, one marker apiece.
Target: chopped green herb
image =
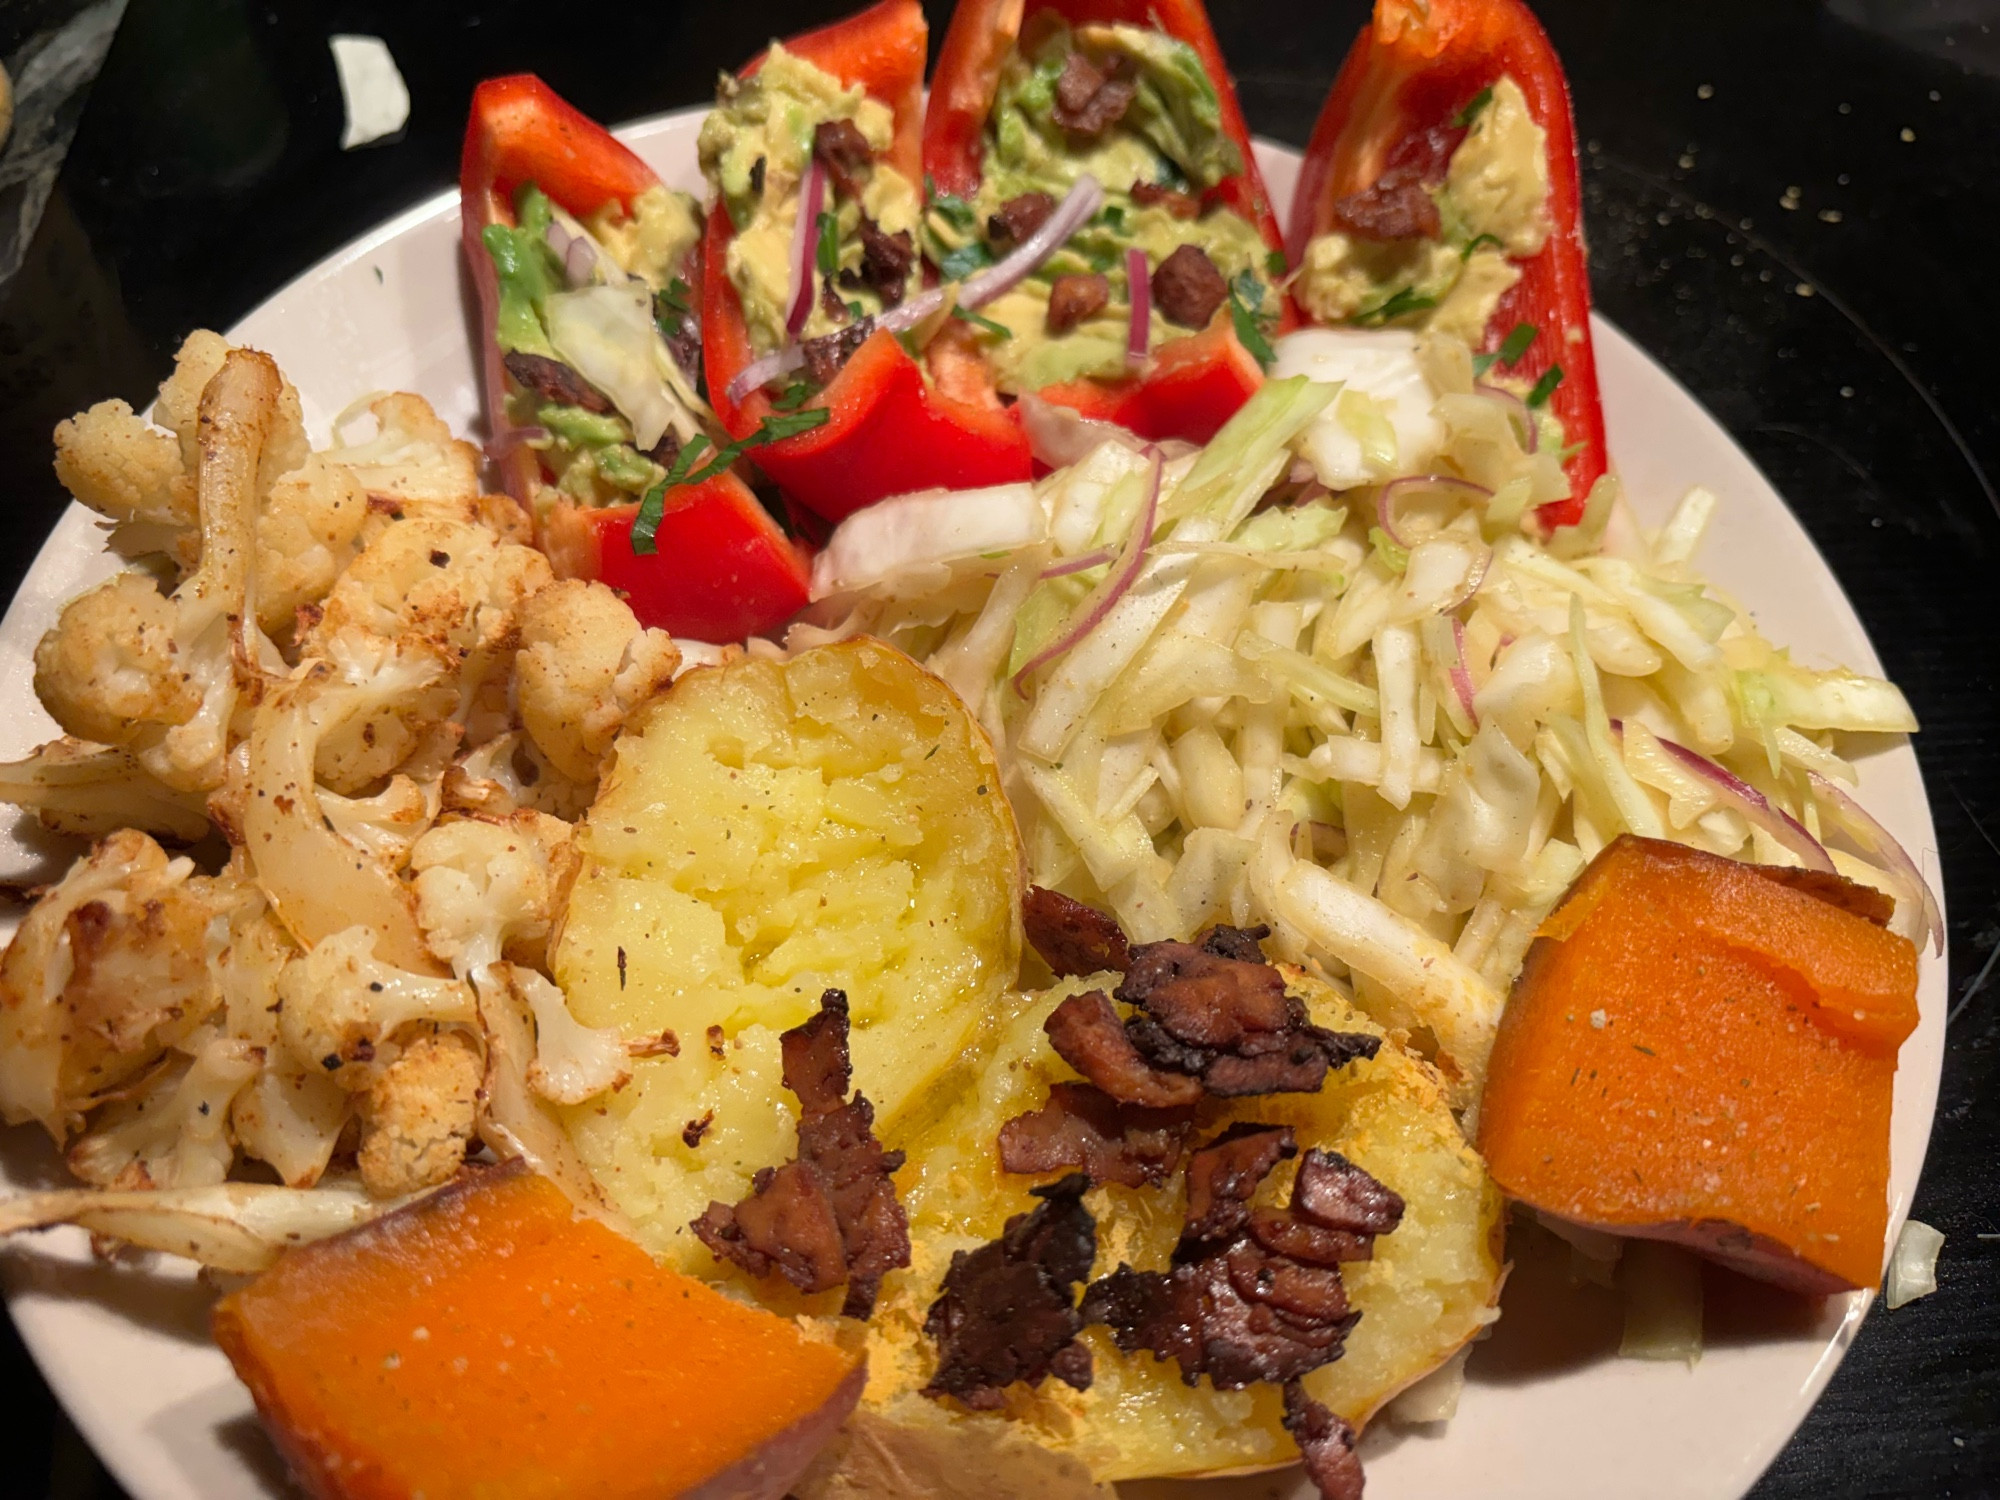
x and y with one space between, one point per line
1546 386
1510 351
1246 301
1113 217
1471 111
670 307
653 506
793 396
953 209
1248 290
1101 258
967 315
828 255
1401 303
1274 263
956 265
1476 242
856 311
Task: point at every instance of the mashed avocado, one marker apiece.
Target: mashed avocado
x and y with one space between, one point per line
1167 137
755 147
1492 210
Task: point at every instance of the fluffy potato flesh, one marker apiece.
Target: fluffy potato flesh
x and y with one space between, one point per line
1428 1289
768 830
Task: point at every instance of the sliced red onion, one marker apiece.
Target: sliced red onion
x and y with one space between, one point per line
576 252
1469 585
1517 409
1753 804
805 247
1059 437
1877 843
1461 679
1081 564
1385 497
1131 560
1070 215
1139 292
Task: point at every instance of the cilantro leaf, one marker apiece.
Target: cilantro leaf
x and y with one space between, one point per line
1472 110
1248 334
653 506
953 209
1546 386
967 315
670 307
1510 351
956 265
1475 242
1404 301
1274 263
828 255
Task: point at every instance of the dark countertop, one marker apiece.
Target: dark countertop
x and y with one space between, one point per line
1793 206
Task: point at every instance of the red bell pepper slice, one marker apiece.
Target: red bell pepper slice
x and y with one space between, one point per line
1412 69
1204 377
888 430
724 568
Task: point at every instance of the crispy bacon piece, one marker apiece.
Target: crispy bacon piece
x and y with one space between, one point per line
1395 206
1087 1034
1073 938
1331 1191
1187 288
1089 99
831 1215
1007 1311
1285 1233
555 381
1222 1175
1085 1127
885 262
1326 1443
1074 297
843 150
1019 217
829 301
1180 205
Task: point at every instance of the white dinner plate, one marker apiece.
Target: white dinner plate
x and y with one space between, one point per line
1548 1411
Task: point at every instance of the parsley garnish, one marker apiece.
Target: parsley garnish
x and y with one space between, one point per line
1546 386
1475 242
828 255
1113 217
956 265
671 306
953 209
1404 301
1510 351
1275 263
793 396
1471 111
967 315
653 507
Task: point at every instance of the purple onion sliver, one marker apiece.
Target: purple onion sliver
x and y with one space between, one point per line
1139 292
1130 561
1517 409
1385 497
1081 564
805 247
1884 846
1755 806
1461 679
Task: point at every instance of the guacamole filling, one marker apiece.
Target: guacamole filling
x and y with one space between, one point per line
757 147
1135 109
599 338
1434 243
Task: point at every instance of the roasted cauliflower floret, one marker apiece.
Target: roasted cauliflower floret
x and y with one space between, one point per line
573 1062
510 772
344 1008
489 887
107 971
584 665
91 791
178 408
113 462
413 466
308 529
173 1130
418 1115
108 667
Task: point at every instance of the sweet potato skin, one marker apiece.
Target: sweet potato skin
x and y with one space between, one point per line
1703 1052
486 1342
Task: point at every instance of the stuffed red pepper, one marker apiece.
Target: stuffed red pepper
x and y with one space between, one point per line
586 268
1440 194
817 325
1156 312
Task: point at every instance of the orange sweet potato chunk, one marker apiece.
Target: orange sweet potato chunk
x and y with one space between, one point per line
488 1344
1704 1051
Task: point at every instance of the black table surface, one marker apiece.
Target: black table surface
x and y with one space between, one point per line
1794 206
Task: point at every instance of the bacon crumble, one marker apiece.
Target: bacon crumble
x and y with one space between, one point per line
831 1215
1187 288
843 150
1075 297
1090 100
1326 1443
1180 205
1007 1311
1019 217
1073 938
1085 1127
555 381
